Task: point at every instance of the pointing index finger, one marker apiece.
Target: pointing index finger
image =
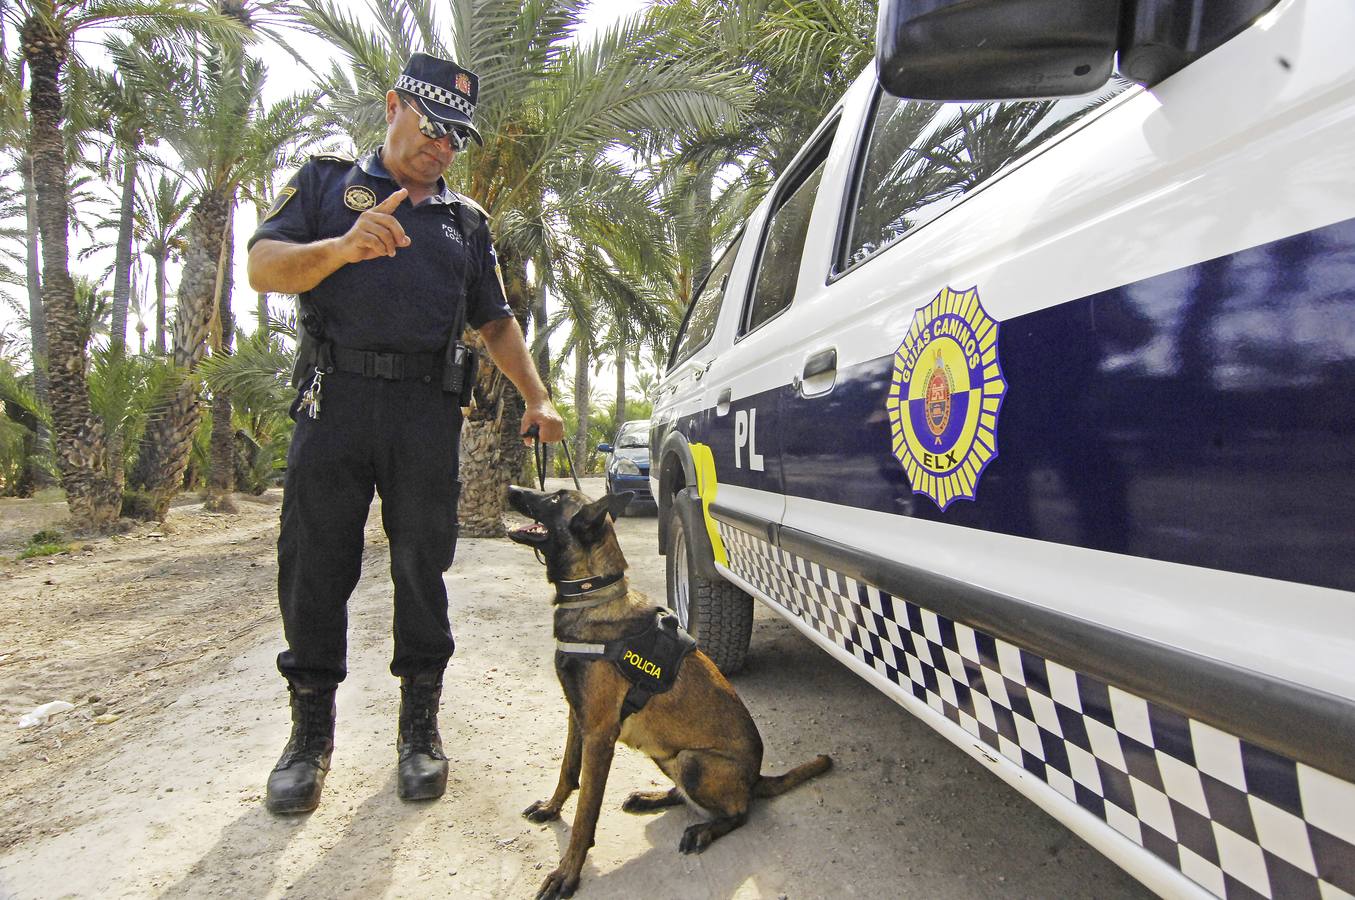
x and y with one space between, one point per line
388 205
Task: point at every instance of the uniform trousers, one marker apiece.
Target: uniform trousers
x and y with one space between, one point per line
399 438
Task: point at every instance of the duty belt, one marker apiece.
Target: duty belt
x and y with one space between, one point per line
390 366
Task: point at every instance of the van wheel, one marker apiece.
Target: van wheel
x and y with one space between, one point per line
715 612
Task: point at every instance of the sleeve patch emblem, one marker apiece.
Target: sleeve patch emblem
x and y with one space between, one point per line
944 397
359 198
280 201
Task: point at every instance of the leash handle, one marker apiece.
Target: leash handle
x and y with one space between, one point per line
539 452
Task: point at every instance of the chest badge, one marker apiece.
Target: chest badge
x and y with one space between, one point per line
359 198
944 397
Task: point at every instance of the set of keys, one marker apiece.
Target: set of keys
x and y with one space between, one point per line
310 400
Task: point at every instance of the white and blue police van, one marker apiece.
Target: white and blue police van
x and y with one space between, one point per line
1039 415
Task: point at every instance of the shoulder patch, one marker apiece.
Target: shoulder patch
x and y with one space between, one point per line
280 201
341 158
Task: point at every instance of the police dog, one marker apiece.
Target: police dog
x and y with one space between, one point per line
698 731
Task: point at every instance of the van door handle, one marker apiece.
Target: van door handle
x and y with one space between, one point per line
819 374
821 363
722 405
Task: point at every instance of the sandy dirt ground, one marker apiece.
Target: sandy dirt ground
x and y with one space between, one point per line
164 638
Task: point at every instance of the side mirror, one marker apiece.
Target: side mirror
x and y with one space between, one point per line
604 448
995 49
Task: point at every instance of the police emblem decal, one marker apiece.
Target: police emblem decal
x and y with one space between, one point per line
359 198
944 397
463 83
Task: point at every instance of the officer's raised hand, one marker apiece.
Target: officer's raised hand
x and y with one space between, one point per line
376 232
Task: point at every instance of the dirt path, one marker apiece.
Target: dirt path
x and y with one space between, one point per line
173 630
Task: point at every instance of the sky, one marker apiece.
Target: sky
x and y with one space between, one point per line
285 77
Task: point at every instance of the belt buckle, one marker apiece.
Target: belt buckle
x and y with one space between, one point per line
386 365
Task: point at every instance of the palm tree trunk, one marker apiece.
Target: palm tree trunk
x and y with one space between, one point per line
491 449
37 320
701 248
620 386
160 298
122 295
122 261
80 447
581 407
165 447
221 479
542 356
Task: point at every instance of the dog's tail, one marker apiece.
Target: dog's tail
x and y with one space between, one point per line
774 785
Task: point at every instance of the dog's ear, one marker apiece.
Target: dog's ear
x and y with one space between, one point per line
619 502
590 522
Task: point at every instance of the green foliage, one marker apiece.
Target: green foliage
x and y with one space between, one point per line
125 391
14 440
20 415
257 378
46 543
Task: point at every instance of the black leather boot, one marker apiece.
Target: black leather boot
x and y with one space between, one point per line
296 781
423 765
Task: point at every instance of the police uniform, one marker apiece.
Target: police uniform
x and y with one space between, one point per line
384 421
374 413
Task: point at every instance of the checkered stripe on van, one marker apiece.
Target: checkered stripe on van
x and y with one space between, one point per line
1235 818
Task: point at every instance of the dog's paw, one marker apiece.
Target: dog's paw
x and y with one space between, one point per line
541 811
649 801
695 839
558 884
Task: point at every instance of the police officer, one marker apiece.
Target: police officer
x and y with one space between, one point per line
388 264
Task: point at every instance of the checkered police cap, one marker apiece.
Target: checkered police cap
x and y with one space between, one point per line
447 92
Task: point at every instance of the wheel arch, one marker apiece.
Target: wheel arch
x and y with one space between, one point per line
676 473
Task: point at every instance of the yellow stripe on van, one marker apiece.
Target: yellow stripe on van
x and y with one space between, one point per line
703 460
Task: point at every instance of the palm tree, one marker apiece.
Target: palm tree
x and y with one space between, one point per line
93 311
545 105
256 377
221 473
48 30
140 309
161 208
14 140
128 114
207 98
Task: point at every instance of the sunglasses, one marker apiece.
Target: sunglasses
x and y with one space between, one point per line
460 139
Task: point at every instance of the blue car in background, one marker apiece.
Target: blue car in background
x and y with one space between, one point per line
628 465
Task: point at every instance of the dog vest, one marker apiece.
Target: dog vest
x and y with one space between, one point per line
650 659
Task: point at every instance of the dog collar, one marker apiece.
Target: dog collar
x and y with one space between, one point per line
581 586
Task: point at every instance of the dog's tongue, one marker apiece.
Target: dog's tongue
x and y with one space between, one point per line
534 533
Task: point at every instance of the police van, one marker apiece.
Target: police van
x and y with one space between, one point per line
1039 415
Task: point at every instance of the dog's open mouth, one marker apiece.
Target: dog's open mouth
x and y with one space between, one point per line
534 533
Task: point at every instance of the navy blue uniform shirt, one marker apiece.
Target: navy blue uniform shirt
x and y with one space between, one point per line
408 303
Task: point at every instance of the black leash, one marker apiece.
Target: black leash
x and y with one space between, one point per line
539 452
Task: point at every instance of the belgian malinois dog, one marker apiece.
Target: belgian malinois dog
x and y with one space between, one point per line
697 731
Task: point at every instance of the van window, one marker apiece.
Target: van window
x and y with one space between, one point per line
778 268
922 158
705 308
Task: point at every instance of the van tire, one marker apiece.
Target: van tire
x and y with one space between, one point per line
718 614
